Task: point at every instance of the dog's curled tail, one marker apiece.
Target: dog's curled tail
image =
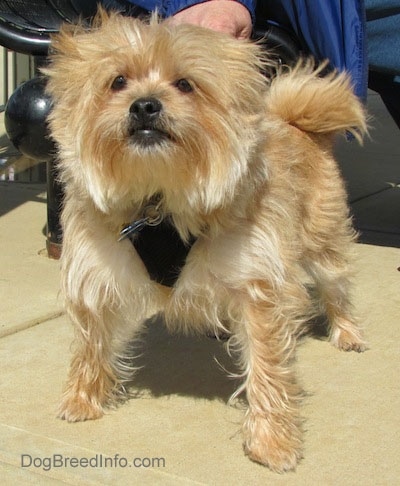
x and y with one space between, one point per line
317 103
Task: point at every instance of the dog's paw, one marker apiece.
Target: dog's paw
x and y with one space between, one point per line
348 338
277 446
77 409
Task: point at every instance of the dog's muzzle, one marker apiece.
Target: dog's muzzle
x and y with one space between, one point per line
144 122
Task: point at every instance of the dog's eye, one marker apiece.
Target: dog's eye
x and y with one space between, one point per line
118 83
184 85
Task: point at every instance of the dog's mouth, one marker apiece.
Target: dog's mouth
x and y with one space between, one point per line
148 136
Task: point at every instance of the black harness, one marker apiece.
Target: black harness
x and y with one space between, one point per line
158 244
162 250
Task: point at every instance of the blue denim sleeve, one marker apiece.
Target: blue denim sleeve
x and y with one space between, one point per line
171 7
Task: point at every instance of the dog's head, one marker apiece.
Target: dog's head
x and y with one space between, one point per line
146 107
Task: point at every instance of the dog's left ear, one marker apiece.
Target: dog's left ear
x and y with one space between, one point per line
70 36
317 103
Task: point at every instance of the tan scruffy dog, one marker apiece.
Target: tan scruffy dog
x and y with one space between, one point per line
159 121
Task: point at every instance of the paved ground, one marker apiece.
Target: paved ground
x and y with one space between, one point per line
180 417
373 178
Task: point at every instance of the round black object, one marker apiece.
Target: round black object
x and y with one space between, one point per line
25 120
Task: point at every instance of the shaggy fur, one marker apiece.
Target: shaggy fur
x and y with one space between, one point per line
241 162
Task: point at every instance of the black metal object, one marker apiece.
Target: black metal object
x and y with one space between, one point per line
279 42
26 27
25 120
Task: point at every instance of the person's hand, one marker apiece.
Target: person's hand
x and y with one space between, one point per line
226 16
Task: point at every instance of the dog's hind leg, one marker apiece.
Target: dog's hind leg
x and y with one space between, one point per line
331 275
267 339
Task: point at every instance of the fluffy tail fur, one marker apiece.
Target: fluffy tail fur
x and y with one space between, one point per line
315 103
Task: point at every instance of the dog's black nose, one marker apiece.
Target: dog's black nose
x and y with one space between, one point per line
145 110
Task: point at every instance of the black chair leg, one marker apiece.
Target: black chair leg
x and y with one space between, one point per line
54 205
25 121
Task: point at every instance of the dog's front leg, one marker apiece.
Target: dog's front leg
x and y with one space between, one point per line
272 433
108 295
93 380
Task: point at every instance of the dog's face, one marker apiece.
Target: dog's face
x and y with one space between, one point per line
141 108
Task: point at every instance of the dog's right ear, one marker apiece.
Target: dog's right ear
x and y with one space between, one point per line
65 41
